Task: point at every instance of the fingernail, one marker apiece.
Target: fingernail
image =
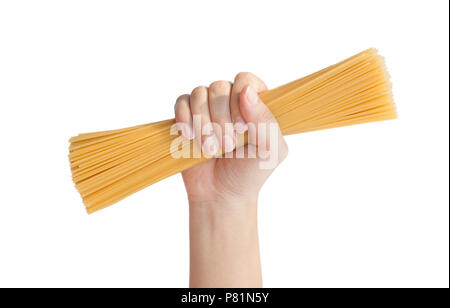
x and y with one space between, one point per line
228 143
210 145
252 96
240 126
207 129
189 132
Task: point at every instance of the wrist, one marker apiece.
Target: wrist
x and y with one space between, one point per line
224 249
225 216
225 206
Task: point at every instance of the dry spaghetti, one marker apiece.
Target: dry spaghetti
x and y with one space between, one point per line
111 165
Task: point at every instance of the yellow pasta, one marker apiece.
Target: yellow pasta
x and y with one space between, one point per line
111 165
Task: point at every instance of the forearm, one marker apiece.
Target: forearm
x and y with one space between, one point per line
224 249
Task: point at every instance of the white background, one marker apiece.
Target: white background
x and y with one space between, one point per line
360 206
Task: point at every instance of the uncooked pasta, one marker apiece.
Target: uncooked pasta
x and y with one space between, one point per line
111 165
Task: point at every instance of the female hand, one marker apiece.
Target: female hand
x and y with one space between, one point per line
232 109
223 192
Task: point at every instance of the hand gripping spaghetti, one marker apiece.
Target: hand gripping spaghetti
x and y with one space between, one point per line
111 165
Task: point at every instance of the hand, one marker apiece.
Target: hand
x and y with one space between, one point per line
223 192
232 109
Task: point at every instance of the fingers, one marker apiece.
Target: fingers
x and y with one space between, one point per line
219 109
240 81
213 115
264 131
183 116
203 130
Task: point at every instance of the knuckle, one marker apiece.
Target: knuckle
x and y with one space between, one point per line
198 92
182 99
246 78
220 86
243 76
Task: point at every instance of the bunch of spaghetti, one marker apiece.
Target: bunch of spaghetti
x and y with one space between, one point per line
111 165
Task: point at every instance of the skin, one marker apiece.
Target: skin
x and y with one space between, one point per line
223 192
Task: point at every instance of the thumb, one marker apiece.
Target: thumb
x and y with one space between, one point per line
252 107
263 127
